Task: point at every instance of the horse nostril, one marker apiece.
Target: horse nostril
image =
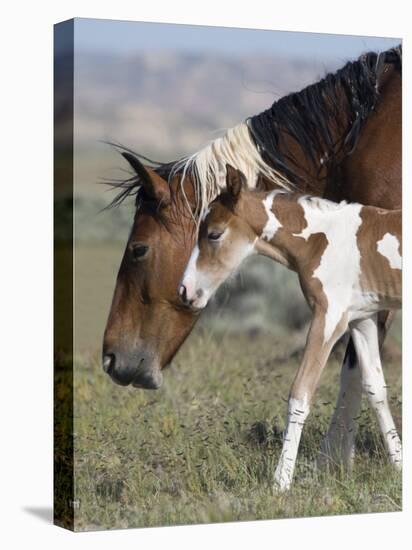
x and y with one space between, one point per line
109 360
183 293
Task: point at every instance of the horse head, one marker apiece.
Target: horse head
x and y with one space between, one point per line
147 322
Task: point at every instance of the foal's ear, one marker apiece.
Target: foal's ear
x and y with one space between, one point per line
235 181
155 187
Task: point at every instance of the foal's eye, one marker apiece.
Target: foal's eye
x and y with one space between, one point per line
214 235
139 251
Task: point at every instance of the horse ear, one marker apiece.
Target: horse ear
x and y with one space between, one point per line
155 187
235 181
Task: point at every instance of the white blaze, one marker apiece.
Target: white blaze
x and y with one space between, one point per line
389 247
190 274
339 267
211 275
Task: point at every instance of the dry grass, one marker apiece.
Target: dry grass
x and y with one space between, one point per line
204 447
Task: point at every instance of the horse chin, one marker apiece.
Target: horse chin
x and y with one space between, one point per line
199 304
151 381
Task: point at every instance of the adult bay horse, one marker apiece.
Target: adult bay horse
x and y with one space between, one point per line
339 138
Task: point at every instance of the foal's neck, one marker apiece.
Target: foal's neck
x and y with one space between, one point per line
280 228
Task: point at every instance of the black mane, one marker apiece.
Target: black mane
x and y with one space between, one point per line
313 117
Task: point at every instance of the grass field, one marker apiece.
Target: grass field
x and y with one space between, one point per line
204 447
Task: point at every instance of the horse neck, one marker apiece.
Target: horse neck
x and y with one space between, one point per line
372 175
308 159
312 179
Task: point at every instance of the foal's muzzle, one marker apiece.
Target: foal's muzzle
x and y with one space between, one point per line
193 301
137 369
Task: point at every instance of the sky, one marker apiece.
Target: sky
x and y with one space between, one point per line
111 36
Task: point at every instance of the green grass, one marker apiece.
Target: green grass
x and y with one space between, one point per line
204 447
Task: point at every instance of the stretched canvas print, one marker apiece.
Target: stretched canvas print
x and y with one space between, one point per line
228 243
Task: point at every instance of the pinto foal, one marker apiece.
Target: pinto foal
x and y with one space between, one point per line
347 257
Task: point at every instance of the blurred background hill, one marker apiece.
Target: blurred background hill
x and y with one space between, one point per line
167 104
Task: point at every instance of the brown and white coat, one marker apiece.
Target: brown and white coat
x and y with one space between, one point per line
348 259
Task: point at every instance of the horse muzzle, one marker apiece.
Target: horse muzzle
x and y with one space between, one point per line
196 300
137 369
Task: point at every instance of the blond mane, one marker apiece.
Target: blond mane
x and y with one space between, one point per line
207 167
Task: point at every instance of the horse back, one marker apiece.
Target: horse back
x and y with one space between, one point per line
380 245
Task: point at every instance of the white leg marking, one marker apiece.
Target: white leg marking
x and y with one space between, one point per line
389 247
273 224
365 337
338 446
305 384
297 413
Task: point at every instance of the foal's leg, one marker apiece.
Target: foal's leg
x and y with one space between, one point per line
365 337
306 381
385 320
338 446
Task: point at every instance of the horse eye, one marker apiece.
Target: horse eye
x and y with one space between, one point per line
214 235
139 251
